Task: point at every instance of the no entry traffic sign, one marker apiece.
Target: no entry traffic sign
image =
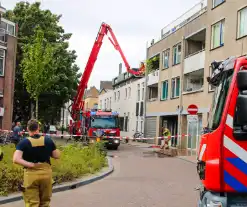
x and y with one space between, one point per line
192 109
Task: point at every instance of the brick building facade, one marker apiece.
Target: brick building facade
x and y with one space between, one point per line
8 47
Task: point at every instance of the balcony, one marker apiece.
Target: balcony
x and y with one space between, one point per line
194 62
193 82
195 52
152 92
153 77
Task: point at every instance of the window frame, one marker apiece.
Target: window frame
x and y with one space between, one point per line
173 54
222 37
118 95
239 23
4 59
216 5
164 53
162 88
138 92
143 91
175 90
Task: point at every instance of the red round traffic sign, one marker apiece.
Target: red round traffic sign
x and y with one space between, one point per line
192 109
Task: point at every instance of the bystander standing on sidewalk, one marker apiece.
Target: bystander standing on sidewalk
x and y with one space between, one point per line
34 153
17 133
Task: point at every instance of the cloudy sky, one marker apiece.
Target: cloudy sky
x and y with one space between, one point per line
134 22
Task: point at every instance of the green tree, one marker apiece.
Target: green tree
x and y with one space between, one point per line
29 17
38 67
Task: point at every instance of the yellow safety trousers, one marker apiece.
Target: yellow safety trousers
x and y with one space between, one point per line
38 181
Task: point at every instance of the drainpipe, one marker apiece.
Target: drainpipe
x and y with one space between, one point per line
180 107
145 92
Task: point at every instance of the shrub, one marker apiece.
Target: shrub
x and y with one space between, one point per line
76 161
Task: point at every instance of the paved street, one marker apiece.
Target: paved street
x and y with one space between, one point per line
140 179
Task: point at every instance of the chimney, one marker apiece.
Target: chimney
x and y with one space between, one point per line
120 68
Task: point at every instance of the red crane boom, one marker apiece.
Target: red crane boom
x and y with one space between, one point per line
78 103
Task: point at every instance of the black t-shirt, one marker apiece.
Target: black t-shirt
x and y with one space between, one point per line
37 154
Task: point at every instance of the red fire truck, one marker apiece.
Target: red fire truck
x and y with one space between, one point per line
105 124
222 157
78 113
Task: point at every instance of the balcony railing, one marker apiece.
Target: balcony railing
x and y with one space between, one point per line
153 77
184 19
194 62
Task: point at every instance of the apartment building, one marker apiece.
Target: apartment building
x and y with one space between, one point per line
8 47
211 30
127 98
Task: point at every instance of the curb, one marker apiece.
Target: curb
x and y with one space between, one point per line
61 188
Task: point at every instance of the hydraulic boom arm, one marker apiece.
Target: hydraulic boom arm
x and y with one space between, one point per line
104 29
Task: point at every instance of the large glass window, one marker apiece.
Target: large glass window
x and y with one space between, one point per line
164 95
175 87
219 100
217 37
242 22
104 122
217 2
177 54
2 62
166 55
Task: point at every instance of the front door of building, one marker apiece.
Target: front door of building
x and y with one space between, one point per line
194 125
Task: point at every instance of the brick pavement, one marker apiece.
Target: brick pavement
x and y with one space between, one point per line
141 179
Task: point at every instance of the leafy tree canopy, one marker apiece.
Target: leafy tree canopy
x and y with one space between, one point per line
29 18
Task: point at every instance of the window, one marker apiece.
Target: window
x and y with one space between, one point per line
166 55
217 37
138 92
2 62
217 2
126 93
137 126
177 54
11 29
219 99
110 102
100 104
175 87
164 94
242 22
142 91
142 126
115 96
105 103
118 95
129 92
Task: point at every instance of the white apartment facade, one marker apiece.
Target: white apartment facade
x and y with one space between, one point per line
65 115
127 98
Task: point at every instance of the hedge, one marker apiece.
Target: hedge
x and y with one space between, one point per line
76 161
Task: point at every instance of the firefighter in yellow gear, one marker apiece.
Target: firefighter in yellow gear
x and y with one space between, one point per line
166 133
33 153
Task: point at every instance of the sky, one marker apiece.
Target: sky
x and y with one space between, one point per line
134 22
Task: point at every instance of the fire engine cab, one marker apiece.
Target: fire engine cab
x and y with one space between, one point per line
104 124
222 156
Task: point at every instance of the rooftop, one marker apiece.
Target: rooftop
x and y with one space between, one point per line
181 21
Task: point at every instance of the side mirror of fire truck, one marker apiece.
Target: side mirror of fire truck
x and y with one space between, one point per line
240 119
92 119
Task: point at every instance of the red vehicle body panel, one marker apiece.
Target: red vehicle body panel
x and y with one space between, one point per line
225 157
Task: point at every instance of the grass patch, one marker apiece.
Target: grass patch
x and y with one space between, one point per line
76 161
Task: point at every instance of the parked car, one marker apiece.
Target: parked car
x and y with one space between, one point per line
53 129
